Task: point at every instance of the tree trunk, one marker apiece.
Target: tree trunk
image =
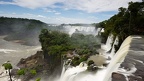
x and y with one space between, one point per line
10 75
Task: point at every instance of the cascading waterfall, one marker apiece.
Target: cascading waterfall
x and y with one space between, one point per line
69 73
113 47
118 58
81 29
80 74
108 45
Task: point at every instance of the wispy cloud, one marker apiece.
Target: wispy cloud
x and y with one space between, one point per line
51 11
84 5
3 2
41 16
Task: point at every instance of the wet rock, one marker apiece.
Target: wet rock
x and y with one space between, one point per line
105 64
118 77
36 62
135 78
14 71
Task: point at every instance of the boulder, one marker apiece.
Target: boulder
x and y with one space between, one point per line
118 77
135 78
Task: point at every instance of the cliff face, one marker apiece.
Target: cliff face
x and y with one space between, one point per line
132 68
43 67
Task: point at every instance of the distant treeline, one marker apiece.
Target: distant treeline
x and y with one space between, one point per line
21 29
12 25
128 21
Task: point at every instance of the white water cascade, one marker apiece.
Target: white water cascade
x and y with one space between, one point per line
118 58
108 45
79 73
113 47
82 29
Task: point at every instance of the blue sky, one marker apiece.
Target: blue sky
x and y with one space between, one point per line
62 11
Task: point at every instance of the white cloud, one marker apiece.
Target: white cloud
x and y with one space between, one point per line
36 3
51 11
84 5
97 5
3 2
41 16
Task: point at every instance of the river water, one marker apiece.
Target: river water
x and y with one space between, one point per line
13 52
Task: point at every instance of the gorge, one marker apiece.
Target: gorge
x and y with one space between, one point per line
111 50
127 51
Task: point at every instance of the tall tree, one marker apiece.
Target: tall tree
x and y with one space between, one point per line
8 67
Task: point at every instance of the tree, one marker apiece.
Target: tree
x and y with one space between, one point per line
128 21
8 67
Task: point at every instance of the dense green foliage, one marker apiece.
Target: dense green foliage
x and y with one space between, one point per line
7 66
84 44
128 21
55 44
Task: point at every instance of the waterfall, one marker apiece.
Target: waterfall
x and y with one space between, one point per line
69 73
118 58
81 29
80 73
108 45
113 47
